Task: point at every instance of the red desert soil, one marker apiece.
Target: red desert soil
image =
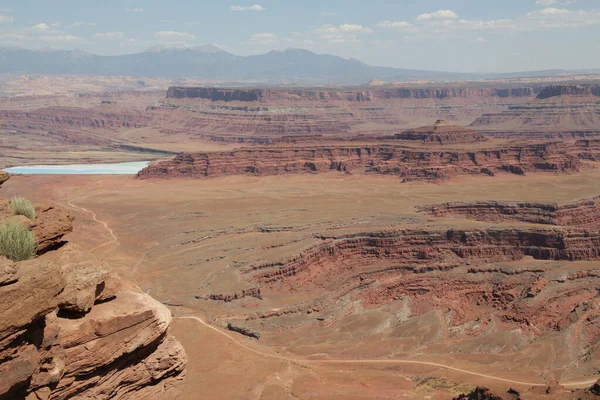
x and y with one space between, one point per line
183 241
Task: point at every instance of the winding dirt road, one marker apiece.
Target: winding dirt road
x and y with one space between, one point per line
579 383
588 382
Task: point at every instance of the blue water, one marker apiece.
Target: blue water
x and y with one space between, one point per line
126 168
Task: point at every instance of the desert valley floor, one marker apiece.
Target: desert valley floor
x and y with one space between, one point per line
194 253
343 244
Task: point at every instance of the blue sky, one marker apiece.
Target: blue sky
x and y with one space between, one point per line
450 35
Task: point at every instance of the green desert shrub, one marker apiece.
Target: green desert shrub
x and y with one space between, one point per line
22 206
17 242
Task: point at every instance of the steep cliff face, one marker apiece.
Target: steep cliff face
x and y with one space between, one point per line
379 159
449 93
70 329
263 95
582 213
433 248
569 90
556 109
221 94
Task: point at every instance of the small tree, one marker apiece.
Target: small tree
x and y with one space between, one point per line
22 206
17 242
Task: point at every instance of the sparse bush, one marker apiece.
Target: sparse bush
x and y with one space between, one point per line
17 242
22 206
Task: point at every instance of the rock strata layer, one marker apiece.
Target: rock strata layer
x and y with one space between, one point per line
263 95
442 132
410 164
582 213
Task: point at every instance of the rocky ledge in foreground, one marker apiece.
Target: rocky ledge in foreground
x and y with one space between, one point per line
552 391
70 329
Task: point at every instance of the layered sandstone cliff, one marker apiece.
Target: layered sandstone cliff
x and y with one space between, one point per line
264 95
582 213
487 289
569 90
378 159
441 132
57 118
71 329
433 248
556 109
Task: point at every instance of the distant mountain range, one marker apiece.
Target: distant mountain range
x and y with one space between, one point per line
212 63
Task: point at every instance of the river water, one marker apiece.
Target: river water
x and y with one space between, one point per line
126 168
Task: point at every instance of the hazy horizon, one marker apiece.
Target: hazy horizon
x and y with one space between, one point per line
456 36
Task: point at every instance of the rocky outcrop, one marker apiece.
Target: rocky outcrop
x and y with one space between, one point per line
569 90
377 159
229 297
49 227
582 213
441 132
244 331
71 329
481 393
552 392
588 149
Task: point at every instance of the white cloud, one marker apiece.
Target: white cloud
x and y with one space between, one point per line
41 27
554 11
6 18
80 24
439 14
263 38
301 43
59 38
354 28
546 3
401 26
174 38
255 7
134 10
109 36
479 40
543 19
342 34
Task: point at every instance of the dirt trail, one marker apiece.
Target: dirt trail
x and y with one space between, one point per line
588 382
578 383
114 238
